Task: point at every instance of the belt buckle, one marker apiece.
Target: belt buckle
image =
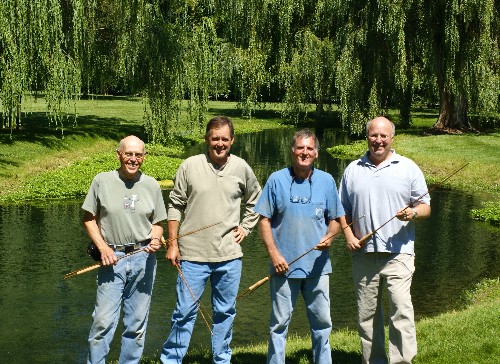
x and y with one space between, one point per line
129 248
117 248
132 247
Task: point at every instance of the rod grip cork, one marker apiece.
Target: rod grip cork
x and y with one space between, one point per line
259 283
363 240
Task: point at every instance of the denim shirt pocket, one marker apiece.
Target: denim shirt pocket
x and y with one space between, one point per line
318 211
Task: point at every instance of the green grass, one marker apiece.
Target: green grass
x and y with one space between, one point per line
44 161
440 155
468 336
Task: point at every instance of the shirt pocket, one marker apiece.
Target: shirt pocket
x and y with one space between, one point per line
317 211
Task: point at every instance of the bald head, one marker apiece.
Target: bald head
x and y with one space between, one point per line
380 121
129 141
131 155
380 134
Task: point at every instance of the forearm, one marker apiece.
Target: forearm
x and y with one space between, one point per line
267 236
334 227
157 231
108 256
345 224
423 211
173 231
172 253
332 231
279 263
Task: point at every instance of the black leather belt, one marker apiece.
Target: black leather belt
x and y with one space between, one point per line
129 248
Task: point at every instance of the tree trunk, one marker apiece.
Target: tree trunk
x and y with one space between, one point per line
452 112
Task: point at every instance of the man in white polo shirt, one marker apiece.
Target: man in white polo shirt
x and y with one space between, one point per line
380 185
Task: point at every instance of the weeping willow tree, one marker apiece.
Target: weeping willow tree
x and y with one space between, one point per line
364 55
360 54
375 63
40 45
464 36
309 77
169 52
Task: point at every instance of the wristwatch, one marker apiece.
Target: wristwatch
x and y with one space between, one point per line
415 214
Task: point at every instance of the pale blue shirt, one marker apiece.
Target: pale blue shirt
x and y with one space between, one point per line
299 226
378 192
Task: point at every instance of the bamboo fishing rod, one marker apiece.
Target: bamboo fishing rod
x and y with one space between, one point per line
164 243
363 240
260 282
197 302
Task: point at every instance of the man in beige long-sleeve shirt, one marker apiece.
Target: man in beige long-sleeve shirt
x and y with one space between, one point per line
209 188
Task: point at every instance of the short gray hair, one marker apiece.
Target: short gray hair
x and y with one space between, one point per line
121 145
304 134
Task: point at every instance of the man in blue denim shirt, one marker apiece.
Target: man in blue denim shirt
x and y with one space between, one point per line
300 209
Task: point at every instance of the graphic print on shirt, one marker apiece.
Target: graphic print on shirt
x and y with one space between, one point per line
129 203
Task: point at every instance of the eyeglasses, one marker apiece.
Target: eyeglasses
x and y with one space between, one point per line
297 199
129 155
374 137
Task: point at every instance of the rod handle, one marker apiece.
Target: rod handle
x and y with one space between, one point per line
83 270
259 283
363 240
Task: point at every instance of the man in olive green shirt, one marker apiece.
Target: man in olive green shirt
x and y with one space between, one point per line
209 188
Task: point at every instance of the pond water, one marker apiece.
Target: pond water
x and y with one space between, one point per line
46 319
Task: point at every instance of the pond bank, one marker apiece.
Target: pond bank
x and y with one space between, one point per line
66 171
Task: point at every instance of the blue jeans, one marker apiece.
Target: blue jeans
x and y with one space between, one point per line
284 292
224 280
129 282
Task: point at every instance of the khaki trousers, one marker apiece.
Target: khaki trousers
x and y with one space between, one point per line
371 273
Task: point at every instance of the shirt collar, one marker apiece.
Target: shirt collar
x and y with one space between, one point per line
395 158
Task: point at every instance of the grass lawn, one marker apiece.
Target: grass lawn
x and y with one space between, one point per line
41 159
463 336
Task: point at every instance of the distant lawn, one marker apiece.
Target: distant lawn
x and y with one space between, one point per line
59 161
40 148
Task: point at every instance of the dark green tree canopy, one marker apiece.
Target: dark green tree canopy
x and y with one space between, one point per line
360 56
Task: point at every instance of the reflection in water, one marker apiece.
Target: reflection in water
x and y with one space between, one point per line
46 319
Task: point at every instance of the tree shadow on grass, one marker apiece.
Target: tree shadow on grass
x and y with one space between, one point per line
338 357
37 128
345 357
